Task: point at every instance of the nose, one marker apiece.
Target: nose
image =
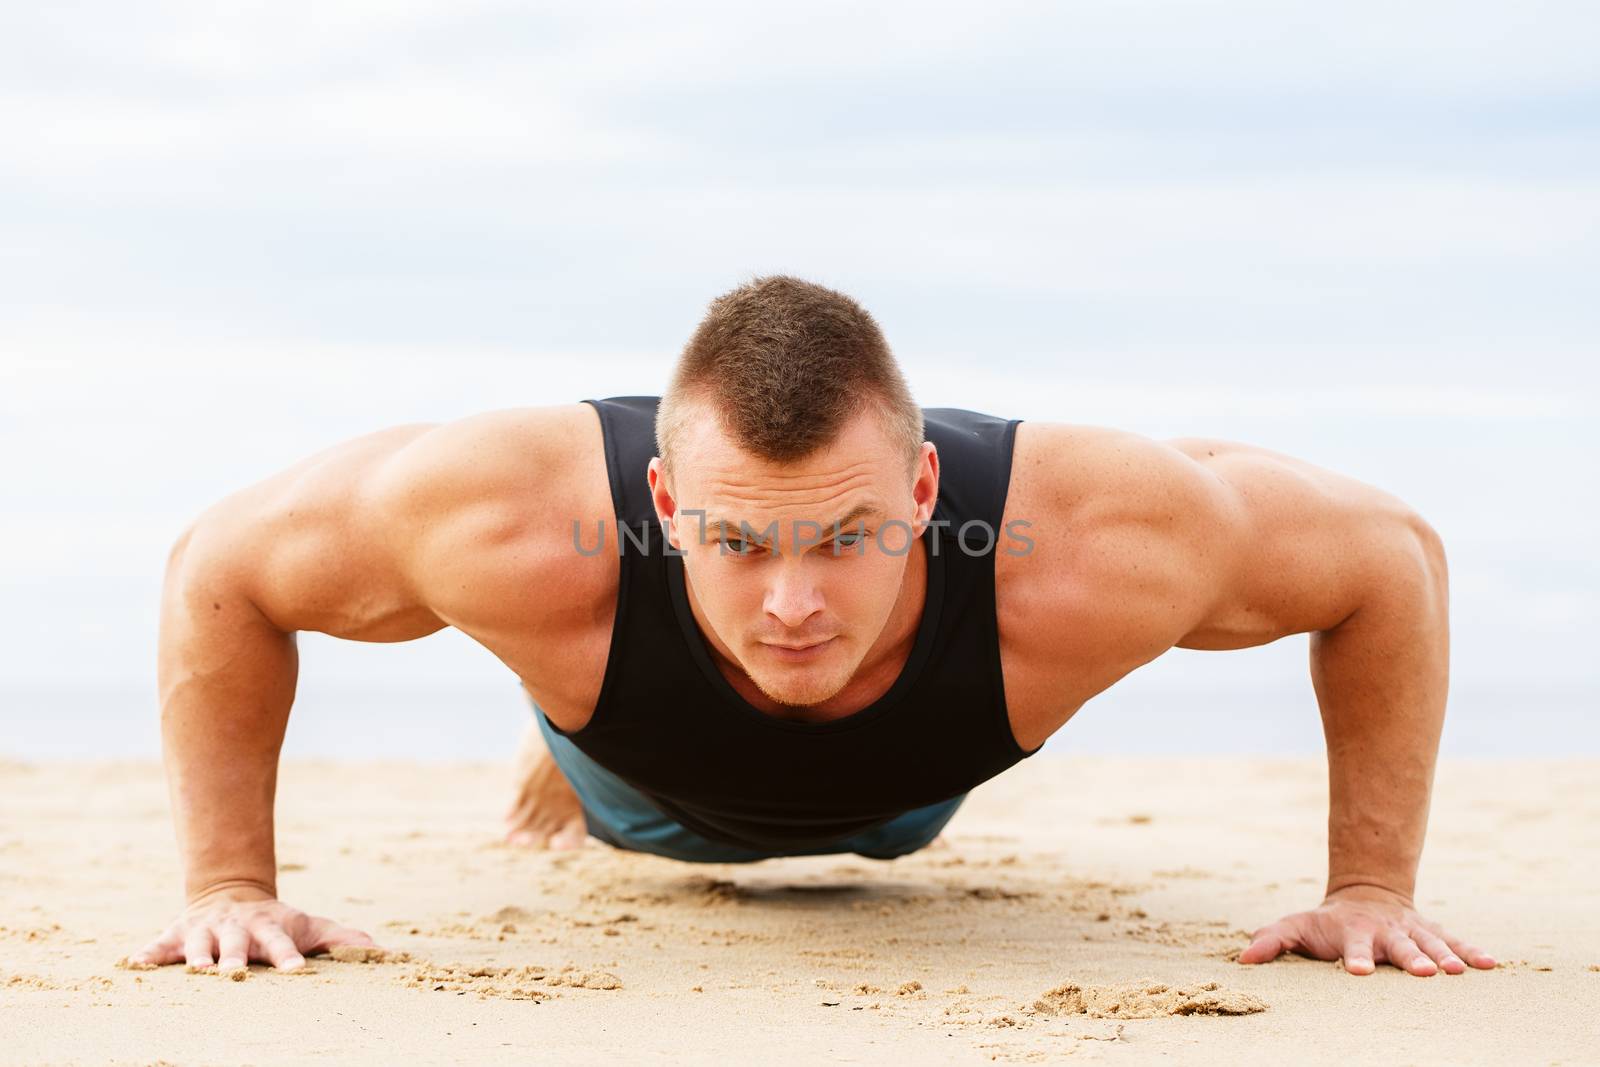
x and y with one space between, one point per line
793 596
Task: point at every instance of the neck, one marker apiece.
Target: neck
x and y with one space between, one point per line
878 670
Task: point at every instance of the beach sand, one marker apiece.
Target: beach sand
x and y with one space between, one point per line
1084 907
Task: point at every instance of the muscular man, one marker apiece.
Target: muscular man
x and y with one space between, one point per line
786 611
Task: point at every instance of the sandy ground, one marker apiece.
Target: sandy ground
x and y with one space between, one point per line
1118 877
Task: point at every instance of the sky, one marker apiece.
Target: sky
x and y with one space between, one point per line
1362 234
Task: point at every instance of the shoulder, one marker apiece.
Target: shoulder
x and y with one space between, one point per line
1106 505
1095 472
1125 536
1108 511
489 458
485 508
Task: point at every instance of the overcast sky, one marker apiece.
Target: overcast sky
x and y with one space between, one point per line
1363 233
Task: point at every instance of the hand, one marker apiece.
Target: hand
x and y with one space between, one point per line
1366 925
242 925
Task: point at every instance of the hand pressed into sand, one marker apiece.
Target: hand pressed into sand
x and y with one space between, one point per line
245 924
1366 925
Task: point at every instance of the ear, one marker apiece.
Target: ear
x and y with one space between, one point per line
925 489
661 496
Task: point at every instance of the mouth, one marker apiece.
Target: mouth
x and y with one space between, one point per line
798 653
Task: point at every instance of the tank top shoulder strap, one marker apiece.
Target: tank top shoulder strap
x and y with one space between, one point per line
975 453
629 425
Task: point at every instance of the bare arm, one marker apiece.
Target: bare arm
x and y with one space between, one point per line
304 550
1302 549
385 538
1214 545
1381 676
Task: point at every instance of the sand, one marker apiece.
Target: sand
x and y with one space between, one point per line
1085 908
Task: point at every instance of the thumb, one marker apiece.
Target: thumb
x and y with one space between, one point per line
329 934
1268 943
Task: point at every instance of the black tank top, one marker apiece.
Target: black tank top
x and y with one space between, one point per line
669 724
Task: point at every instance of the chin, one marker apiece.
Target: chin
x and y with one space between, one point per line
799 688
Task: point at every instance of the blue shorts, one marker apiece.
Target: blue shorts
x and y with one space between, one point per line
623 817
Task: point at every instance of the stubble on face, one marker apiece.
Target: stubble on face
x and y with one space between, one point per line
851 472
803 687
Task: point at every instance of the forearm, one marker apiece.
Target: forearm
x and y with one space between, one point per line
227 679
1381 678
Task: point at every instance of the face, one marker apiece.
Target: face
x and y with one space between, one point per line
795 607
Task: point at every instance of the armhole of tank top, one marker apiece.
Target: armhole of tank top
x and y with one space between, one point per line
613 646
608 445
613 651
1008 439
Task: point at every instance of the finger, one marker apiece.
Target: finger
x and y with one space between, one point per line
168 948
157 955
1268 943
327 934
1358 958
233 947
1471 953
1404 953
278 947
1434 946
198 946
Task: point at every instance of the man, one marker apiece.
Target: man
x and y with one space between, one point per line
808 625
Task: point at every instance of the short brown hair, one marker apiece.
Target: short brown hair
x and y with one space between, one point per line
786 364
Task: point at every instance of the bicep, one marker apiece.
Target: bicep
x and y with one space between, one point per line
314 547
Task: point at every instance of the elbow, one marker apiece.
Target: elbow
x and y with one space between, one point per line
195 570
1419 564
192 548
1428 544
1404 560
176 553
1402 578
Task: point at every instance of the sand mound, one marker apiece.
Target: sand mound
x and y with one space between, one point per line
1146 1001
511 983
515 983
367 954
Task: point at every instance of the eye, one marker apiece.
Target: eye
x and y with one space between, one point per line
854 539
738 547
